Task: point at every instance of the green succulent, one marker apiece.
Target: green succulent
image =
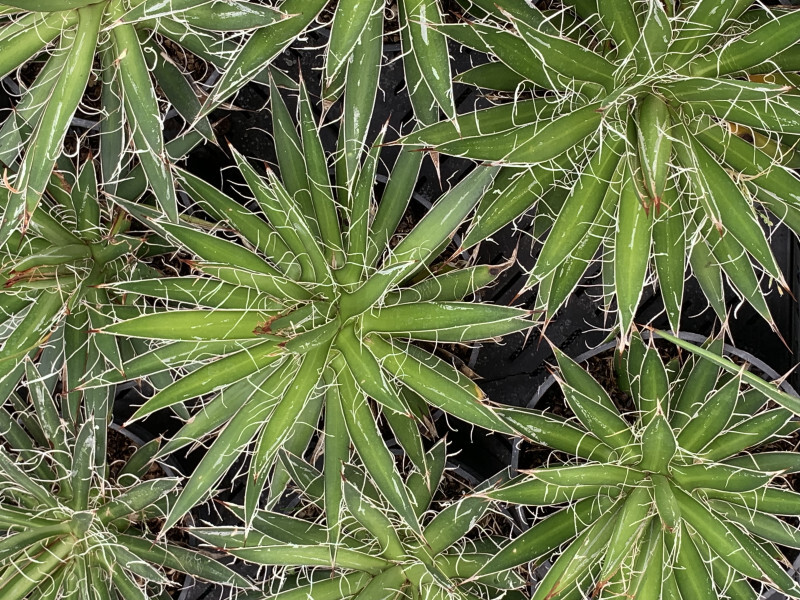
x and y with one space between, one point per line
312 312
120 42
68 528
50 278
671 499
353 61
673 126
375 555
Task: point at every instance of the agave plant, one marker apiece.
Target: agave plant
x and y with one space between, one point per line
314 309
68 526
49 282
673 124
375 552
123 43
670 499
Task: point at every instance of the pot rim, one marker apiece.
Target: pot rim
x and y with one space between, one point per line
694 338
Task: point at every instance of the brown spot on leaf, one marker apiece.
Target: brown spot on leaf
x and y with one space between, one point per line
265 328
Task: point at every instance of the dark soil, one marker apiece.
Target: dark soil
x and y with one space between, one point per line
120 450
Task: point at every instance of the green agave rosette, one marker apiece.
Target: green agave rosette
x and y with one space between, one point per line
673 128
672 500
309 314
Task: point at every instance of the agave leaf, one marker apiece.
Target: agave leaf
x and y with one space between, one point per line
323 222
199 291
631 252
531 144
446 321
360 204
770 390
752 49
49 134
718 476
761 524
35 572
781 462
17 129
719 535
511 50
283 425
141 111
234 16
396 197
337 453
212 377
254 229
555 432
349 24
422 101
442 220
437 382
428 46
194 325
452 523
700 23
360 92
571 565
24 37
238 432
487 121
301 555
730 211
218 410
710 418
592 404
633 521
580 210
775 186
691 574
375 521
547 535
367 440
261 48
192 562
699 377
571 60
670 249
494 75
368 374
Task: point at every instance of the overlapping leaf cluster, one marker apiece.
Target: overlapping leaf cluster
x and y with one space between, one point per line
312 315
128 39
71 527
50 282
371 552
678 126
661 500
